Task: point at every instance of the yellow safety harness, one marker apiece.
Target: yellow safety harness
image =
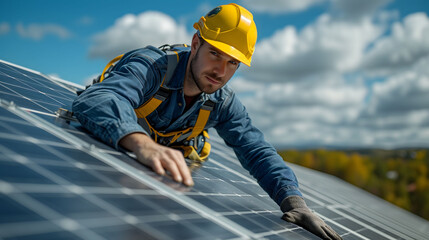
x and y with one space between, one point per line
187 140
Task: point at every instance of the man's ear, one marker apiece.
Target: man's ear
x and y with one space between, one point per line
195 43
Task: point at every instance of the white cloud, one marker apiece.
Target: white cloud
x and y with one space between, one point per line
307 88
4 28
327 45
280 6
398 111
130 32
293 113
37 31
407 44
402 93
243 86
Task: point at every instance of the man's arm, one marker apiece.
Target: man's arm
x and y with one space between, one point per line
158 157
273 175
107 110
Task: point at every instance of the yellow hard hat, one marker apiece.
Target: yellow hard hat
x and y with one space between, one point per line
231 29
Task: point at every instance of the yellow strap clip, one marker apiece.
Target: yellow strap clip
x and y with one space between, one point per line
110 65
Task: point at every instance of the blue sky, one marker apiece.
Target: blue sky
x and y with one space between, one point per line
326 72
68 56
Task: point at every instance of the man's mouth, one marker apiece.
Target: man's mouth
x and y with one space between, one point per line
213 80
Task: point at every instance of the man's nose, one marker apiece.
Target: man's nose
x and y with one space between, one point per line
221 68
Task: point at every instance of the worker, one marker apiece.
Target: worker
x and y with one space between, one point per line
118 111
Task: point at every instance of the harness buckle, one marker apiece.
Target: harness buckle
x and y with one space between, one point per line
162 94
208 105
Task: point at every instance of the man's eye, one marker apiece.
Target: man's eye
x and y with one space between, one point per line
233 62
213 53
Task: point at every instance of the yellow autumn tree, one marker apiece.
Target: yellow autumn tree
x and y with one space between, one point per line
358 171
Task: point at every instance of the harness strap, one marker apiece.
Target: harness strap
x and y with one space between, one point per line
181 135
172 61
161 95
109 66
167 138
202 119
150 106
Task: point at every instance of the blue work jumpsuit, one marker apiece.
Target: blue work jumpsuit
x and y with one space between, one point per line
107 110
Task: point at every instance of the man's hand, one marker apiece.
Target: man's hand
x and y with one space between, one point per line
296 211
158 157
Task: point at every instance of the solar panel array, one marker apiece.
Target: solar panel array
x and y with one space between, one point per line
58 182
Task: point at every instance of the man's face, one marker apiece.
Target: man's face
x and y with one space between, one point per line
210 68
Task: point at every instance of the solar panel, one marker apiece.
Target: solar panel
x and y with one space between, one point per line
58 182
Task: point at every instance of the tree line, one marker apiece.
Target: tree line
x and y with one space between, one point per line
398 176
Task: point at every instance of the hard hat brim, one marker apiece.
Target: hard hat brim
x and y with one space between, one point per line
229 50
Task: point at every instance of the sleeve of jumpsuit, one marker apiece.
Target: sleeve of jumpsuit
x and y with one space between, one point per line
107 109
254 153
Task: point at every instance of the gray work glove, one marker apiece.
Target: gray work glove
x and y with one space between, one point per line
296 211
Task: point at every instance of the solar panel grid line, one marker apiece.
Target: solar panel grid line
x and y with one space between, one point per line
245 212
79 165
43 171
38 112
75 189
222 187
366 226
44 188
388 224
111 152
407 223
267 234
258 224
55 217
9 65
6 120
28 164
49 162
80 191
201 209
216 194
56 93
65 84
226 154
321 195
99 202
24 97
378 222
119 213
31 140
27 229
349 231
25 87
250 180
19 159
40 76
28 86
140 223
358 204
327 219
85 137
310 197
